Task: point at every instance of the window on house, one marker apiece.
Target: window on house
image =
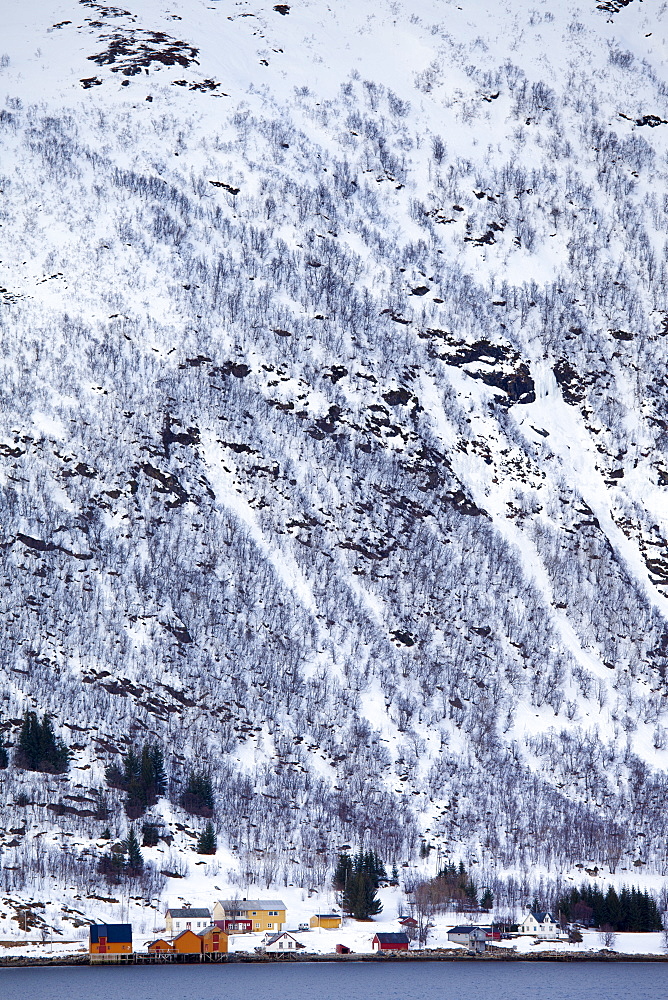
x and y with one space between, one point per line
258 926
280 944
255 913
270 925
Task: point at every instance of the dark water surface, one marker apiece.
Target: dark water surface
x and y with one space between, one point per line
339 981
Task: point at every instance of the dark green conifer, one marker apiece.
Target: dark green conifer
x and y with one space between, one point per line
206 843
342 872
39 748
134 862
357 880
197 798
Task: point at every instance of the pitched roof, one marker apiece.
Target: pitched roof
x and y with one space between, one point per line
207 930
252 904
276 937
466 929
183 934
114 933
327 916
392 938
190 912
541 916
152 944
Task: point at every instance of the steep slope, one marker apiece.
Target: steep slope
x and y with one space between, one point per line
333 424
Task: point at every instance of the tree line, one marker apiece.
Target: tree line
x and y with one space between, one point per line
631 909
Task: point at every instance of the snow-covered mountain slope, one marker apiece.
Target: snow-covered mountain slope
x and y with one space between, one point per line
333 427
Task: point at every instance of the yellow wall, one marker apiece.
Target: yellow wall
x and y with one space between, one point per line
160 945
207 943
262 921
112 949
187 943
329 922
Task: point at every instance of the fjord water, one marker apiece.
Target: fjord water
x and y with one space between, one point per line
343 981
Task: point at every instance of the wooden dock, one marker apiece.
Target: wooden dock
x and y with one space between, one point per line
155 958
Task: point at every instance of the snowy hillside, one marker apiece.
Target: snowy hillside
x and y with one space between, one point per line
334 429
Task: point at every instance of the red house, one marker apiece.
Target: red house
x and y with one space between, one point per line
390 942
235 925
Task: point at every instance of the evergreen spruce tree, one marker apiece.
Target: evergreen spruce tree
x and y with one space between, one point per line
112 866
487 901
142 777
134 862
4 756
159 773
612 913
39 748
206 843
150 835
197 798
342 872
130 767
359 896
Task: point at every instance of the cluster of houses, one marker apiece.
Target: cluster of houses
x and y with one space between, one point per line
200 931
192 930
540 925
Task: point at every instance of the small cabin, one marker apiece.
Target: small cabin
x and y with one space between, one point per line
187 943
110 939
213 940
390 942
330 921
343 949
160 947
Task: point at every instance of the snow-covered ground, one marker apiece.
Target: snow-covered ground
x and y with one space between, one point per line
332 438
356 935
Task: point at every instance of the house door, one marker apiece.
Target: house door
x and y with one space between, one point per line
103 946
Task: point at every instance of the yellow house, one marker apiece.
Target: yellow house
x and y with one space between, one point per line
329 920
250 914
214 940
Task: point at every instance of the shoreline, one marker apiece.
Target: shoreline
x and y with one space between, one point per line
22 961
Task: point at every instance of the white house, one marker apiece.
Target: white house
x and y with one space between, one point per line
186 919
281 943
541 924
